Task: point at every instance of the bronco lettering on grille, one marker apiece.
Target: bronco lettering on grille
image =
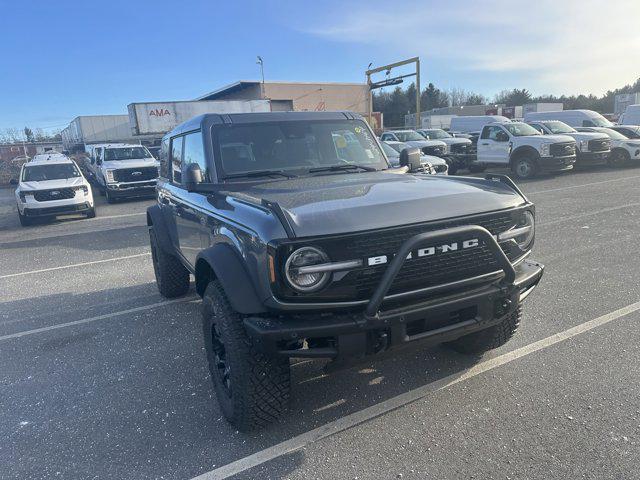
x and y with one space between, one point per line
428 251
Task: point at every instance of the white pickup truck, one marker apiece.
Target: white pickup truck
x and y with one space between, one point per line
524 149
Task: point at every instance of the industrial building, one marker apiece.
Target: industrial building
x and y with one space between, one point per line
298 96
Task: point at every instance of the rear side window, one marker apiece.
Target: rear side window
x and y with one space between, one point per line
176 159
194 153
164 159
588 123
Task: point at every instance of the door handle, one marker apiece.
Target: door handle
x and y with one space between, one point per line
485 143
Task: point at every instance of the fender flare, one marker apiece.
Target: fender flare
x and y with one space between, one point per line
523 150
156 220
224 263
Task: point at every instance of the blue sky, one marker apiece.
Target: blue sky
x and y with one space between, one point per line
67 58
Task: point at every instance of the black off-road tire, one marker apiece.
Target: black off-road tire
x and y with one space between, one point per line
252 387
172 277
480 342
524 167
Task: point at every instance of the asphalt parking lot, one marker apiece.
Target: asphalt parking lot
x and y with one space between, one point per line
100 377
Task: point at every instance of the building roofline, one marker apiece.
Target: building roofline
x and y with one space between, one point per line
240 83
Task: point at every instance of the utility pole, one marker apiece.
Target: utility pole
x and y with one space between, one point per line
261 63
395 81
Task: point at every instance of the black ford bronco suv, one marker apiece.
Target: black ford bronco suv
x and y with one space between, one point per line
304 242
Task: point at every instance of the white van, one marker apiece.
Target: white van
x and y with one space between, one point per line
631 116
473 124
573 118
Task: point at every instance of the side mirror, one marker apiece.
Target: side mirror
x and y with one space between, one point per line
193 176
410 157
13 181
98 161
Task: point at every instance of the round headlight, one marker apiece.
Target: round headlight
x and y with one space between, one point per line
527 224
306 281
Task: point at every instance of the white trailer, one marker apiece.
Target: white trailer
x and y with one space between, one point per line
540 107
157 118
91 129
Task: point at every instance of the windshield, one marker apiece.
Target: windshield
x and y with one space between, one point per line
389 150
436 134
613 134
409 136
126 153
597 121
55 171
301 146
519 129
559 127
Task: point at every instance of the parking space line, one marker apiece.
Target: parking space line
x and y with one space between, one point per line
74 265
369 413
582 185
116 216
587 214
96 318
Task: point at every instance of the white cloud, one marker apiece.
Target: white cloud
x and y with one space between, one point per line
560 47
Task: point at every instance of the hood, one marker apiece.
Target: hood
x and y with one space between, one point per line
425 143
579 136
134 163
540 139
49 184
433 160
456 141
342 203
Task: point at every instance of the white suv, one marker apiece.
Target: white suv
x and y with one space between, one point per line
50 185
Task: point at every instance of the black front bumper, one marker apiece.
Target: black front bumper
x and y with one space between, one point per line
593 158
60 210
556 164
437 316
141 189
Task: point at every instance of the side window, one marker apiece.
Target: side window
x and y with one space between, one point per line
588 123
538 127
194 153
485 133
176 159
96 155
385 137
164 158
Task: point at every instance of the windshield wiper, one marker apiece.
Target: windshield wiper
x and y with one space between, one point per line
342 167
260 173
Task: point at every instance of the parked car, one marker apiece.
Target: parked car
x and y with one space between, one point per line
393 149
629 131
300 252
51 185
436 148
460 151
573 118
630 116
474 123
623 150
121 170
591 147
524 149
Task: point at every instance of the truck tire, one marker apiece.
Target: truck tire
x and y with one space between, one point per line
24 220
252 387
524 167
91 213
618 158
110 198
493 337
172 277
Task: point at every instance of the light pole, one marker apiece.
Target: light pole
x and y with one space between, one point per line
261 63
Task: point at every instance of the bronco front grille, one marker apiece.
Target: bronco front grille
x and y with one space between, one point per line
135 174
418 272
54 194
